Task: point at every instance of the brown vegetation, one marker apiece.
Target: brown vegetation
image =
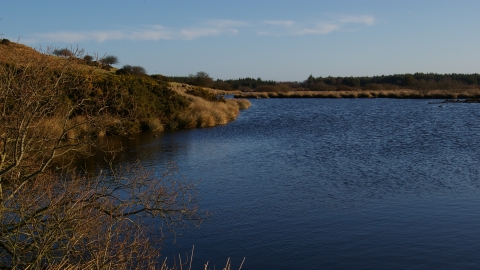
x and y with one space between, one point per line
52 109
442 85
207 112
131 101
52 217
400 93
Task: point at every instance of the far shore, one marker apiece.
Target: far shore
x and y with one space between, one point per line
401 93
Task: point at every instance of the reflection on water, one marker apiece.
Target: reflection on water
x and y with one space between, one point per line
330 183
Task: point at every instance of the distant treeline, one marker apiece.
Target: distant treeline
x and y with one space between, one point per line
204 80
422 82
417 81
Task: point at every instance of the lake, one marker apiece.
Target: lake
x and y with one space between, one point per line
330 184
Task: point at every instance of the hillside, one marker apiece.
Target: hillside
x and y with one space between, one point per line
15 52
125 104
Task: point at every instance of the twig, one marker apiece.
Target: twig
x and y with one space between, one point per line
191 258
241 264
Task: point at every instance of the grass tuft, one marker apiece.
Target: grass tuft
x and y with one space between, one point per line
204 113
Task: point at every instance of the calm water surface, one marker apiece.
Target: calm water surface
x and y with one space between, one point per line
331 184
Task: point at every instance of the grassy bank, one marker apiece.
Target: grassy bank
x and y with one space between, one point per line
116 104
55 216
401 93
203 113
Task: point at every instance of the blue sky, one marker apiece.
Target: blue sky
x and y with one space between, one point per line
271 39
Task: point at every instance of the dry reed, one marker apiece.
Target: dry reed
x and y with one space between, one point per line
203 113
396 93
188 261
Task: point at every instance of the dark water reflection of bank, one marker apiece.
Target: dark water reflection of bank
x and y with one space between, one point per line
143 148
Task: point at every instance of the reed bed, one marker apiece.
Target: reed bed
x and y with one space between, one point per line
203 113
401 93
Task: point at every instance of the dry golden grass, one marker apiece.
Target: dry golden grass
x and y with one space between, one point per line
400 93
22 54
200 114
182 88
17 52
203 113
243 104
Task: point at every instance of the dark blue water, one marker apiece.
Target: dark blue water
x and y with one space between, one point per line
331 184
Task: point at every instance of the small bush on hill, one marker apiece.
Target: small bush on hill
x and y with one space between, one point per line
135 70
63 52
88 59
5 41
109 60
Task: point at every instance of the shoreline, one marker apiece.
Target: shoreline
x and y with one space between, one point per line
400 94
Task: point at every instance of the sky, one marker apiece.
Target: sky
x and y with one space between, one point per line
269 39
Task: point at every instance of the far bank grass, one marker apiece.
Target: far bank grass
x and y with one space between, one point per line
402 93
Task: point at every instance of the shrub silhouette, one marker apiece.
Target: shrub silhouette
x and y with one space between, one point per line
63 52
88 59
109 60
135 70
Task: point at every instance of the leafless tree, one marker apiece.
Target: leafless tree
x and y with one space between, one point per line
53 217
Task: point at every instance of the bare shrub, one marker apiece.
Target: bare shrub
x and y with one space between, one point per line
77 220
135 70
109 60
52 217
88 59
63 52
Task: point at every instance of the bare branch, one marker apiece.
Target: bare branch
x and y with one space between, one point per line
62 219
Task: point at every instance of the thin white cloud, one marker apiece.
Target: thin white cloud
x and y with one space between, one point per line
286 23
222 24
212 28
208 28
288 27
319 29
367 20
155 32
193 33
299 29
